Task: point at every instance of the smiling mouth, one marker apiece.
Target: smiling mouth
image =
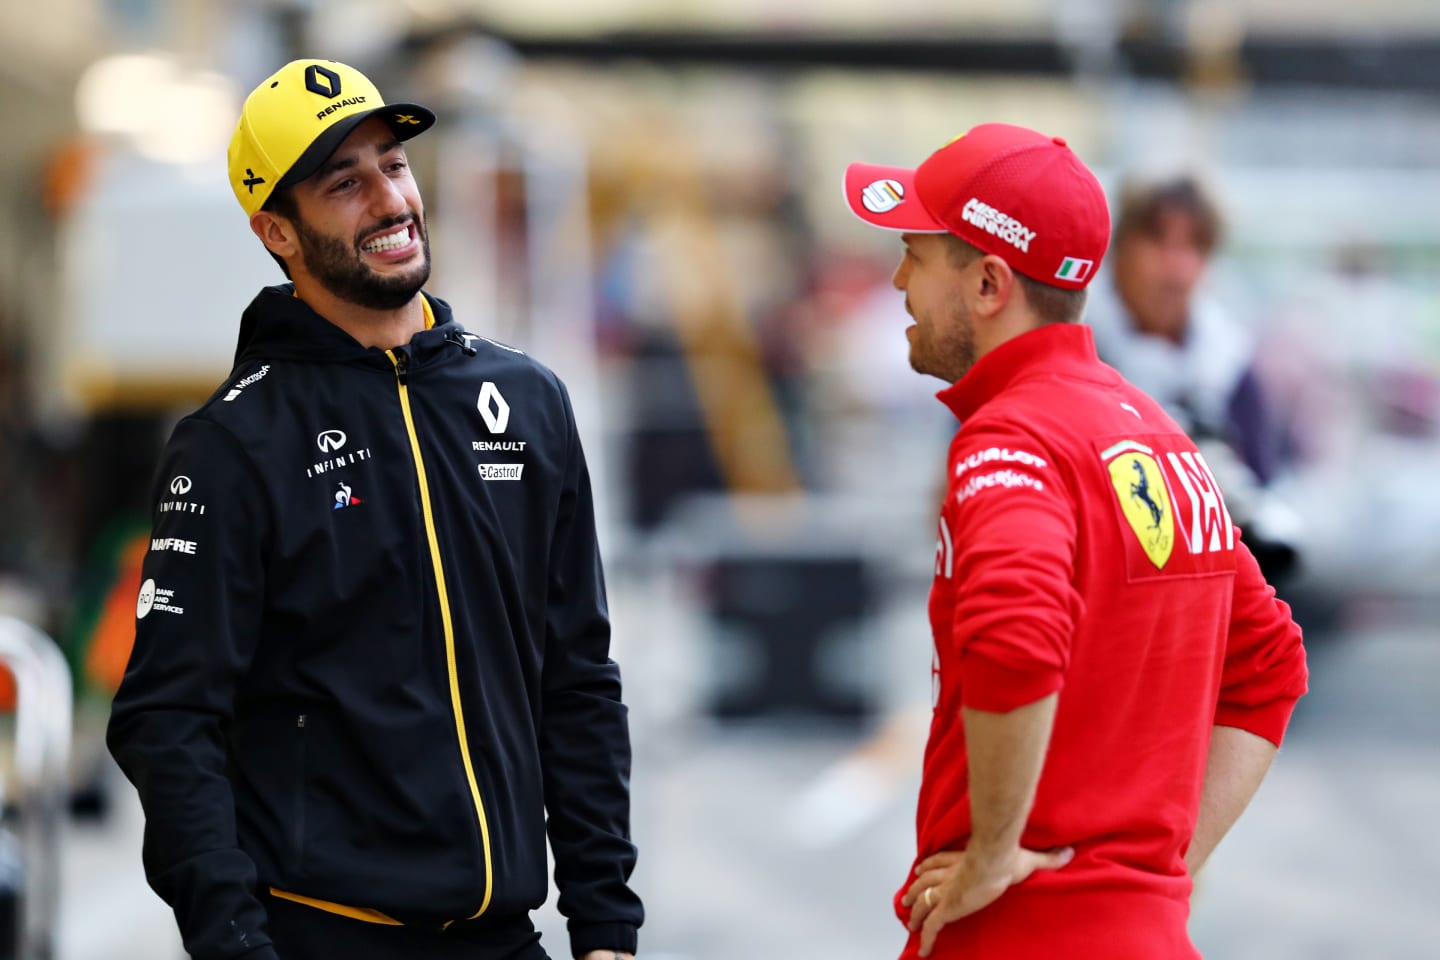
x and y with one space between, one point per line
390 240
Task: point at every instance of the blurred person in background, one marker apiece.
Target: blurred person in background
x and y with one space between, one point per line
1183 349
1112 674
372 660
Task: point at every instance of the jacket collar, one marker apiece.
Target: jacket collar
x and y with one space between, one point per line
279 325
1056 348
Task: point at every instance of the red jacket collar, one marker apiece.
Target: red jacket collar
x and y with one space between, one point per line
1053 348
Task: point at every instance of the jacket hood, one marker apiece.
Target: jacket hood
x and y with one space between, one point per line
277 325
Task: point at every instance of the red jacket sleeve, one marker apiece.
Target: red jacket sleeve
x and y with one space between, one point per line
1014 531
1264 672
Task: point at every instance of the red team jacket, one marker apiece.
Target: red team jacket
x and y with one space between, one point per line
1085 548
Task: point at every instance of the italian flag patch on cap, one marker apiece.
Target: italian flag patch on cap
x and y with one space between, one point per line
1073 269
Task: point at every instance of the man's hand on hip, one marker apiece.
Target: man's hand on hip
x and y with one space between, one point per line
951 885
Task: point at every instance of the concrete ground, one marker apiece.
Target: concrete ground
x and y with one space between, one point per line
771 840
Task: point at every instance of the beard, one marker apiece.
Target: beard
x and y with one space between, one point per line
340 268
946 351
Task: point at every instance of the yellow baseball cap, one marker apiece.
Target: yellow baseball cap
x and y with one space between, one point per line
295 119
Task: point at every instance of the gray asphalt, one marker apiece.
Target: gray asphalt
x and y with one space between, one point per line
785 839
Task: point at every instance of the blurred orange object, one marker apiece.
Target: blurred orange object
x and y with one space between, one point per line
107 647
114 636
68 176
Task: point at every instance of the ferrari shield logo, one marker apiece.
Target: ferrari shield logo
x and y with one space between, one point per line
1144 500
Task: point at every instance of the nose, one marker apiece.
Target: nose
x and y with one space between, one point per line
901 276
386 200
1186 262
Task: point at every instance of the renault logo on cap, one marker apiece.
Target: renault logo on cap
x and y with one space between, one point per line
322 81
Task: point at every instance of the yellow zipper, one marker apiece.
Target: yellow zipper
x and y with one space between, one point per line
449 628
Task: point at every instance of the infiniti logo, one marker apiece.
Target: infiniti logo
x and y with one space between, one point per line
331 443
331 440
180 486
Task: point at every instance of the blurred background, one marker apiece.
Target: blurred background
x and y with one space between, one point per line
646 196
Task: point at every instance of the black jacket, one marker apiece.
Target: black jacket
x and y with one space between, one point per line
372 645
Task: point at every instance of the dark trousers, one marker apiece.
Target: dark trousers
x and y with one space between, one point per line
304 933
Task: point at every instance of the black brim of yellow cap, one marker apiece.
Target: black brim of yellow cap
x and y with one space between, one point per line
406 120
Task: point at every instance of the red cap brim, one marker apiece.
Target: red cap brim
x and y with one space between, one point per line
885 197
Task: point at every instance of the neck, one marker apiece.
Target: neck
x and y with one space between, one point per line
1010 323
382 329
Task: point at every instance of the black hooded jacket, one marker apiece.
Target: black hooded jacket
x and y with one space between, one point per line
372 649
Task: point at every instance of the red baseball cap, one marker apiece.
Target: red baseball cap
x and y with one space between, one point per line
1007 190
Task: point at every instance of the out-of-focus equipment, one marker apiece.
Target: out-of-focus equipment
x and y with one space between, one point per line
29 859
789 611
790 596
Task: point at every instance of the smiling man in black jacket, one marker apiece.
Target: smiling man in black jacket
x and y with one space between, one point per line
372 664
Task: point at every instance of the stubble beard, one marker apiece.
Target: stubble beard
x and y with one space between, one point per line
338 267
947 355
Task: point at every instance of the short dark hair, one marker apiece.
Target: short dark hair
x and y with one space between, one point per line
1050 304
1144 203
282 203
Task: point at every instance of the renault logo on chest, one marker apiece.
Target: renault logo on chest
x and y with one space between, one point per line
493 408
330 440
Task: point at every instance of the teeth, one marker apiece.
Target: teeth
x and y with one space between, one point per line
388 241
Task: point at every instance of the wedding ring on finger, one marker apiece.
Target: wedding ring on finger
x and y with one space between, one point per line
929 900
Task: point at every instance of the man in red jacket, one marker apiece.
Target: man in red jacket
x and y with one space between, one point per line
1113 675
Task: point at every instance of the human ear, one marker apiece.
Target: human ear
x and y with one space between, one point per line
276 232
997 283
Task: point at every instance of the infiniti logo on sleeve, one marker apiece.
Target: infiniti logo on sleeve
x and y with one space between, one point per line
179 486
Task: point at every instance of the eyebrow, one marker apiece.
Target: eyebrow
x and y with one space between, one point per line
336 166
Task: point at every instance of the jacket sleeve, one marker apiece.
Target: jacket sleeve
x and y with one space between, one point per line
584 732
1264 672
1013 531
198 620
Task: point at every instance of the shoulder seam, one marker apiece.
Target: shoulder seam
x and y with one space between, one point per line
200 416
